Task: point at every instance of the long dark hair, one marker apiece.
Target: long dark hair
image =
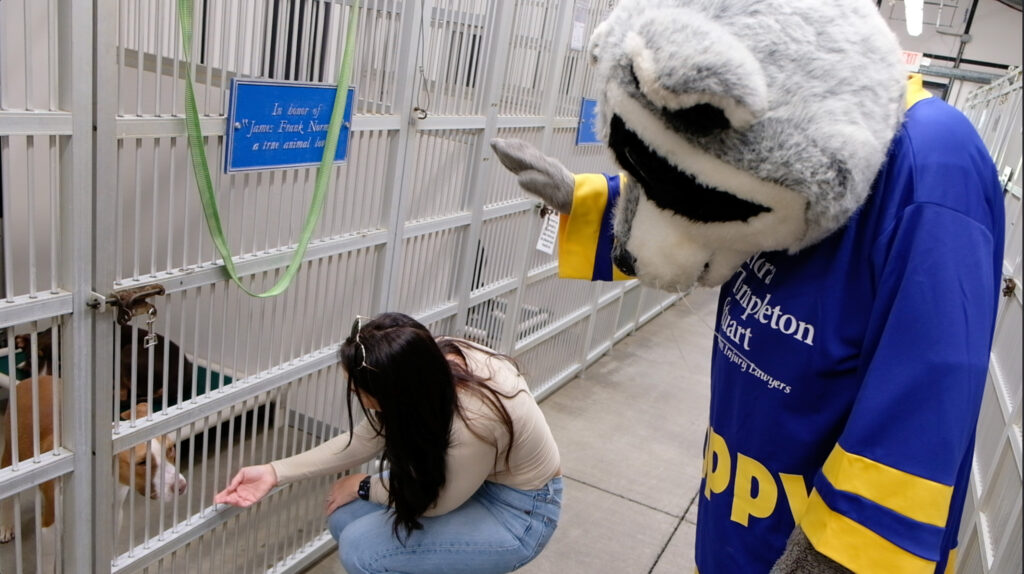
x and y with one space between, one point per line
394 359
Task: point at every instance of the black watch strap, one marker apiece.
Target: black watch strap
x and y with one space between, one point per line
364 489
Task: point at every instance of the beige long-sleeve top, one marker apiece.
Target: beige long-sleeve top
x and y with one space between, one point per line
533 459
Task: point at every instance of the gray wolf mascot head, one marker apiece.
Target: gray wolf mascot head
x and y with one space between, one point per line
743 126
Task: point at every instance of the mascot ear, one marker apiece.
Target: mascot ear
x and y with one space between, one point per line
712 80
538 174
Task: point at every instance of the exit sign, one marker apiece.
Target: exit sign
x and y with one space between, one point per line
912 60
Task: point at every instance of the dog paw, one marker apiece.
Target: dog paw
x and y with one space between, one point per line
6 534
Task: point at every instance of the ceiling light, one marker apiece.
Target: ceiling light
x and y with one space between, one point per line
915 16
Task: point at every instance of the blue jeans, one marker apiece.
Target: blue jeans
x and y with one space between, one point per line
497 530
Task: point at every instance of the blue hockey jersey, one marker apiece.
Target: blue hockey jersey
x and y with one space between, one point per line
847 378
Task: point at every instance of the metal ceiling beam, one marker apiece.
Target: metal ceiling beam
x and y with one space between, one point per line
959 74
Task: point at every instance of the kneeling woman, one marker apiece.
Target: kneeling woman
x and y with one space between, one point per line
473 482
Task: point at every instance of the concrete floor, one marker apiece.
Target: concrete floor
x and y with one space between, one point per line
630 431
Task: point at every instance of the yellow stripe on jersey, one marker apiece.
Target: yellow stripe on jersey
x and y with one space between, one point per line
915 90
578 235
855 546
917 498
580 232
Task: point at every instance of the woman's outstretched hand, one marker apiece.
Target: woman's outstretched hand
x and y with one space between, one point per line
250 485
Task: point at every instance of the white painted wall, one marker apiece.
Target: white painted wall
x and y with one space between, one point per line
996 33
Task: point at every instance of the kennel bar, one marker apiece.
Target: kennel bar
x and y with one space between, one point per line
510 207
434 225
143 429
54 464
548 362
604 329
35 123
75 37
28 308
437 122
528 236
521 122
549 331
591 326
990 530
186 279
403 150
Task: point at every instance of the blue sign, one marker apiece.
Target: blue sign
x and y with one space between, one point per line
586 133
274 124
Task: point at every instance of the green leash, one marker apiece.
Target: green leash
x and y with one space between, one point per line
202 171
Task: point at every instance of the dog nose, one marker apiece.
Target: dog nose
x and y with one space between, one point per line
625 261
181 485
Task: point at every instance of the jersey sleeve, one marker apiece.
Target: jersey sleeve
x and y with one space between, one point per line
882 500
585 235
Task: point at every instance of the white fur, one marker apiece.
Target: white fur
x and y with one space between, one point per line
48 543
7 519
673 251
167 481
121 492
663 248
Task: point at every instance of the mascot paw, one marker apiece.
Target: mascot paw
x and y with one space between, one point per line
538 174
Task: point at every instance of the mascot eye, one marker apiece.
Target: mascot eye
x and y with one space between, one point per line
699 120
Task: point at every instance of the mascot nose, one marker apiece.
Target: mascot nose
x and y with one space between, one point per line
625 261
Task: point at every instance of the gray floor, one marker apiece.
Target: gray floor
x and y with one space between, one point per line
630 432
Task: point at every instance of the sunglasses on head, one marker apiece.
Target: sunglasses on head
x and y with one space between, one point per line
357 326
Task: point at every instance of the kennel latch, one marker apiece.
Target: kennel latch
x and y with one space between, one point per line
1009 286
130 303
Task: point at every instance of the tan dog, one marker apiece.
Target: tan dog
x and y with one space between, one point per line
149 468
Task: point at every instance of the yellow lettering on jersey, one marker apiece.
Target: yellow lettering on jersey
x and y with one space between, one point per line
717 465
744 503
717 472
796 493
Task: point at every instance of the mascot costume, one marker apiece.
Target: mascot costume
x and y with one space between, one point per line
778 149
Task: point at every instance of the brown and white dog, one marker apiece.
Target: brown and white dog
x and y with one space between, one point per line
149 467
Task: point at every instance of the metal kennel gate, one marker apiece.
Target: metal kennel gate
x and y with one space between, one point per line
101 220
990 534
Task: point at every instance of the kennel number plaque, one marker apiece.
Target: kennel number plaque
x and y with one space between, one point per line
580 10
274 124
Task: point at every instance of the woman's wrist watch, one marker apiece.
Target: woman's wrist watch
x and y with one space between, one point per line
364 488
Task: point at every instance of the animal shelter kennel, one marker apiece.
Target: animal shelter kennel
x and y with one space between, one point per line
418 218
114 294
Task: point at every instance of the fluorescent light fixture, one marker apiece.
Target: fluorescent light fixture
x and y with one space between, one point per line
915 16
